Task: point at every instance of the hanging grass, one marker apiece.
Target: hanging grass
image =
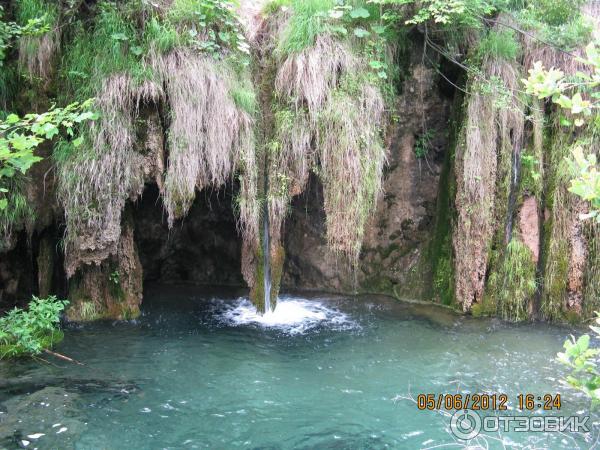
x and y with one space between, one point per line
492 134
513 284
203 152
17 213
37 52
329 118
306 23
210 131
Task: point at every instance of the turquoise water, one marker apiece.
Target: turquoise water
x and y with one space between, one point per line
196 371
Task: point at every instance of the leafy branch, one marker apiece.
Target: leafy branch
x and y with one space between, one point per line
20 136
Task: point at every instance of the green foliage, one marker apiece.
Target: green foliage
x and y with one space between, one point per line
556 23
555 12
244 98
20 136
581 360
513 283
14 209
368 26
500 44
273 6
531 176
581 98
586 183
308 21
111 46
455 12
213 20
423 144
114 277
36 20
29 332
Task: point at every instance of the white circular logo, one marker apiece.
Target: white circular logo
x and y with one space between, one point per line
465 424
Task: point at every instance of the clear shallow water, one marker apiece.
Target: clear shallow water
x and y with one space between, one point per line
201 370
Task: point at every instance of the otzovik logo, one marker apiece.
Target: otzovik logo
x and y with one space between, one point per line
467 424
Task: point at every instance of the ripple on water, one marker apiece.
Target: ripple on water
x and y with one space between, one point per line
292 316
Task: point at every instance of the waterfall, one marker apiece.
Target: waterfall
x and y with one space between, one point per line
512 198
267 258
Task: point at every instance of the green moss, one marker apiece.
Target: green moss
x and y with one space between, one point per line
487 308
277 261
512 285
245 98
257 293
440 249
556 248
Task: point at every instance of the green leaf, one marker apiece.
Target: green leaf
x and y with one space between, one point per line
12 119
359 13
3 203
361 32
78 141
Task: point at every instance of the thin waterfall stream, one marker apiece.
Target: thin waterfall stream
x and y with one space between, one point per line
512 198
267 245
267 258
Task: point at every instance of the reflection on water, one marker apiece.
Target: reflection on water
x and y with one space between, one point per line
200 369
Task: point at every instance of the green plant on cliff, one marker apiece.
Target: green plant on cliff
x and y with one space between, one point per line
580 97
30 331
513 283
20 136
34 23
582 361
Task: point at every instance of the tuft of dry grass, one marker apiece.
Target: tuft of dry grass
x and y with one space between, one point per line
36 54
352 158
330 122
208 135
307 78
95 183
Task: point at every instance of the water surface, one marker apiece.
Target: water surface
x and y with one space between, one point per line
200 369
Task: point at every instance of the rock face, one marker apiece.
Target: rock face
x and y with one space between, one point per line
529 225
394 255
113 288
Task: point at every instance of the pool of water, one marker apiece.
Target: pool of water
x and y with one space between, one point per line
200 369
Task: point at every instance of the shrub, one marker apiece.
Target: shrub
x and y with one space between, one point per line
29 332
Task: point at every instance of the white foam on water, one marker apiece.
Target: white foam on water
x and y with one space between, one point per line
291 316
